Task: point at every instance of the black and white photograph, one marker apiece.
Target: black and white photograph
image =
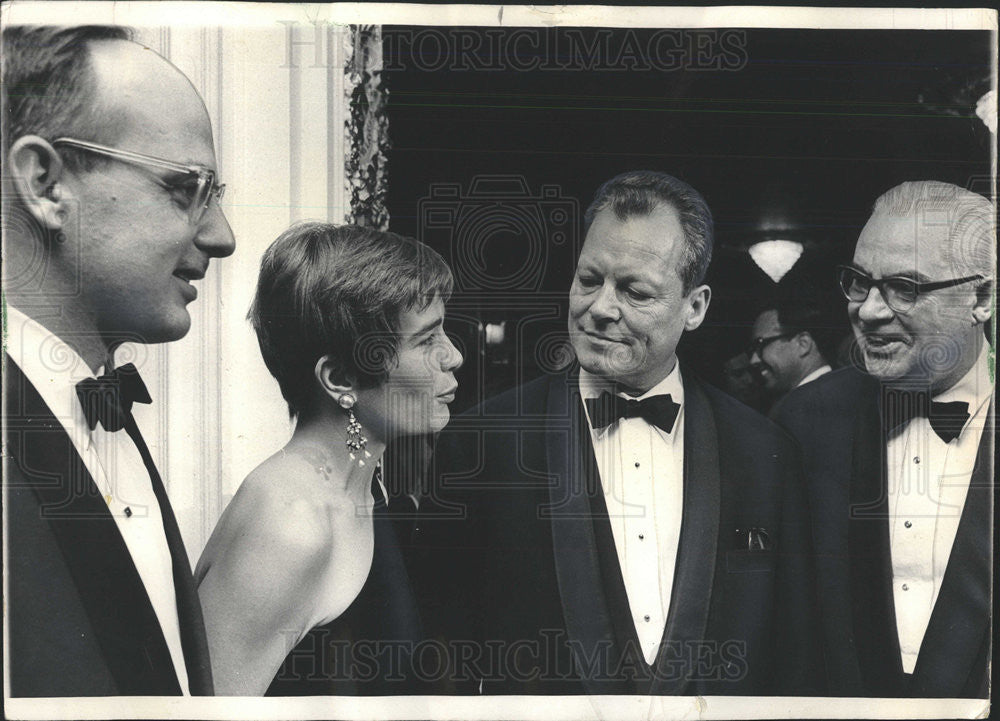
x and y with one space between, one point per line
398 361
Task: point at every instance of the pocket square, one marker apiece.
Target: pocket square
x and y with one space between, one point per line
754 538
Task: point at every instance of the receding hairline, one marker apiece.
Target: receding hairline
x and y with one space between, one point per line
932 192
677 248
966 242
118 95
660 206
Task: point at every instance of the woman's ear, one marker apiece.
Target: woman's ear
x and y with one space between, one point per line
334 382
36 172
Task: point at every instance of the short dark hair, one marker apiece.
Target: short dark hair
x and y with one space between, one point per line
803 315
340 291
49 87
639 192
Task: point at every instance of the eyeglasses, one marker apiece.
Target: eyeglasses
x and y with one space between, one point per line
757 345
900 294
199 182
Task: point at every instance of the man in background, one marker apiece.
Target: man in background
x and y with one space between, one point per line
111 216
786 350
741 382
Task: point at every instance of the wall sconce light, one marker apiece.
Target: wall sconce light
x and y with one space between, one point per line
496 333
776 257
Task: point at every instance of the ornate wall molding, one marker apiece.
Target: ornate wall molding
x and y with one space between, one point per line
367 129
298 114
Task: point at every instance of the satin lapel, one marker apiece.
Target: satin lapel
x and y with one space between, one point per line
873 609
696 555
107 581
627 655
950 651
573 468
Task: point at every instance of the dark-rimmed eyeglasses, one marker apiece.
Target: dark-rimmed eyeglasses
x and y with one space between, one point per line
900 294
757 345
200 182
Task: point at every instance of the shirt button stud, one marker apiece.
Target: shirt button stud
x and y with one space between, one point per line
637 464
645 618
907 523
916 459
905 587
642 536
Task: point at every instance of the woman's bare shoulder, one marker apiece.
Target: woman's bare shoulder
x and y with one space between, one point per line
280 511
284 542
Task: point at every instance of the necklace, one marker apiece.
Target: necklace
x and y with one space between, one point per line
319 460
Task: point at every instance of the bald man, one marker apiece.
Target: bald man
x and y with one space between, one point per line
110 173
899 460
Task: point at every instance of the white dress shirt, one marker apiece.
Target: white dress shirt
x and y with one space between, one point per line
642 474
928 483
114 463
821 371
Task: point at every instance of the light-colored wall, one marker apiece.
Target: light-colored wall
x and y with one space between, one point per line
276 98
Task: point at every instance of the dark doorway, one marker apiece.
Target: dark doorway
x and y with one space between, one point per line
500 137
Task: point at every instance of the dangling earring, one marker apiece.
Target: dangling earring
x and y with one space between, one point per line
355 441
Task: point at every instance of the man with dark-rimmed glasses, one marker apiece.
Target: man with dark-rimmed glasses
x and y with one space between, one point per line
790 345
900 459
111 216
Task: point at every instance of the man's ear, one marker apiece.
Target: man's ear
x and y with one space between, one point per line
332 380
36 172
697 306
982 310
804 342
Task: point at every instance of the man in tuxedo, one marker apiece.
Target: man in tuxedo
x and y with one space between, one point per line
788 346
899 460
622 528
111 213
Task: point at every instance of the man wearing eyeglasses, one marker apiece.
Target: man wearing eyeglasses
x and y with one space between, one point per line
785 350
111 217
899 459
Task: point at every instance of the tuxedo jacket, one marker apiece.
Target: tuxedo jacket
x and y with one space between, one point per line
80 620
520 577
837 421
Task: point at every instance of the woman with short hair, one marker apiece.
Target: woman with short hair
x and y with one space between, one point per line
350 323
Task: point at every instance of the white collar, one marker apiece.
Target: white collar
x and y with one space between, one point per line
50 364
591 386
822 370
974 387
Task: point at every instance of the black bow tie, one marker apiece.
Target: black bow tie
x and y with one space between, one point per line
947 419
109 398
660 411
